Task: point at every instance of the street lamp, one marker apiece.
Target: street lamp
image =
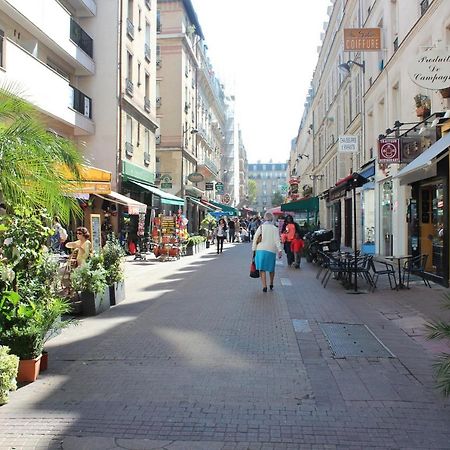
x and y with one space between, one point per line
345 68
185 131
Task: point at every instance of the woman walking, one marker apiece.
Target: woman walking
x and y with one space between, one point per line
221 234
266 249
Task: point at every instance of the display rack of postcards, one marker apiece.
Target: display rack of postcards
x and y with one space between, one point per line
166 235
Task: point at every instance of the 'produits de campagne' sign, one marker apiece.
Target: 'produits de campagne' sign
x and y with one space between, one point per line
431 69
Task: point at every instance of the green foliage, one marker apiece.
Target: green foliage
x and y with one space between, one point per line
31 159
440 329
251 187
8 372
90 277
277 199
25 341
113 254
192 240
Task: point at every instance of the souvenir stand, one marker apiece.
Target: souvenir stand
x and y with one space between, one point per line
167 233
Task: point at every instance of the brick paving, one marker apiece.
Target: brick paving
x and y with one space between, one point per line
199 358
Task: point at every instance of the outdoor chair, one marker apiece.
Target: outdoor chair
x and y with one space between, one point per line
387 269
333 266
362 269
322 260
415 266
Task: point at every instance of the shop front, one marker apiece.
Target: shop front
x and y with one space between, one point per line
306 211
428 208
367 195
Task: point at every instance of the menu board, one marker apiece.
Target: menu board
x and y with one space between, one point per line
96 234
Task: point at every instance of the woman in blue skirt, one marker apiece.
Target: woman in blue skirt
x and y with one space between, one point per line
266 245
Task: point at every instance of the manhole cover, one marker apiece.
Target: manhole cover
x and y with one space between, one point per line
353 340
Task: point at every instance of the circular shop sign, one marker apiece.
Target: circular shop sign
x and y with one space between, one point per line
388 151
195 177
431 69
226 198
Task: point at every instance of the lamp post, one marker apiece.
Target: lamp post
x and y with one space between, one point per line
315 177
185 131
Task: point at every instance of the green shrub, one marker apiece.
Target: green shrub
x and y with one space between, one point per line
90 277
8 372
112 261
26 342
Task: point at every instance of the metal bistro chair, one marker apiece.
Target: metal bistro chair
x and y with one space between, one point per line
388 269
322 260
332 266
415 266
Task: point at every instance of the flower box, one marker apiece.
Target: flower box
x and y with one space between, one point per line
93 304
29 369
116 293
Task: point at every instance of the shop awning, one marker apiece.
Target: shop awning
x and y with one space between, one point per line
305 204
225 208
134 207
424 166
347 184
166 198
199 203
213 207
92 180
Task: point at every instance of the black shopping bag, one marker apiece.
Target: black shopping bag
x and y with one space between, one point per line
253 272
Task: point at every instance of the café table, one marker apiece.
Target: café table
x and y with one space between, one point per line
399 260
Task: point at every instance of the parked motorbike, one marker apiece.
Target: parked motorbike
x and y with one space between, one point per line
319 240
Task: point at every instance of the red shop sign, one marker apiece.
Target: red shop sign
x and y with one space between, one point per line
388 151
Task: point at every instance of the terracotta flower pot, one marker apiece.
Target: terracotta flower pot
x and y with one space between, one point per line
44 362
29 369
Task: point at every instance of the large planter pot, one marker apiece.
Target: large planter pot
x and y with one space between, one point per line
116 293
189 250
28 369
93 304
44 362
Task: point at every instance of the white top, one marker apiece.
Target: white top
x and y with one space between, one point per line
270 238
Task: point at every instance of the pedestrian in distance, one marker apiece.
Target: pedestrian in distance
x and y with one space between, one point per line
287 235
297 245
231 230
266 246
221 234
82 247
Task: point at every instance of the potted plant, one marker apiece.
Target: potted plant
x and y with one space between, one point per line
207 226
113 263
9 365
89 281
423 105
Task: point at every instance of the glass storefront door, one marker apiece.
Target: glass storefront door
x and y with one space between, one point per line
386 246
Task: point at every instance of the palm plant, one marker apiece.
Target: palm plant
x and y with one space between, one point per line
439 329
31 158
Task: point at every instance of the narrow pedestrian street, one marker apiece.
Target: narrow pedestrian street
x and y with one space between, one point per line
198 357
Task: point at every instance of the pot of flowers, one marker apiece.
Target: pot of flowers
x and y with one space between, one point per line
9 365
113 263
89 281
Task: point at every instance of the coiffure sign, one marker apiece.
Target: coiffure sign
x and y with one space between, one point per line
362 39
431 69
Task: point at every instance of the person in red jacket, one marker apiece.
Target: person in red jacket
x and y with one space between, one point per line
297 245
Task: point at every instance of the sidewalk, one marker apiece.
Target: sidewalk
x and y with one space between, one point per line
199 358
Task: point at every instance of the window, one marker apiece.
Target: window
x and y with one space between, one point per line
147 85
129 66
139 74
158 21
139 19
129 130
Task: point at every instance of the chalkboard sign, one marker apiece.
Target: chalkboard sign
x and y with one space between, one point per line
96 234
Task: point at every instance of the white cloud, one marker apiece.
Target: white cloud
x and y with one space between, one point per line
265 55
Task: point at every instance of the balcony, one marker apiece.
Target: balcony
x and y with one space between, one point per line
49 91
129 87
147 105
50 23
147 52
130 29
207 164
129 148
84 8
148 4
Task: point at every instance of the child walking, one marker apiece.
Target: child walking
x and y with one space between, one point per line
297 245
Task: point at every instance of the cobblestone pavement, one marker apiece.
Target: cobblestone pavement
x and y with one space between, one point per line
199 358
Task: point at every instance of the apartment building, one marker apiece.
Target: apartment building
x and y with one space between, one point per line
191 109
401 209
270 178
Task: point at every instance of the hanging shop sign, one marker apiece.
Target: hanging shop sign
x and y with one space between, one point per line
219 188
389 151
348 144
410 148
166 182
195 177
431 69
209 186
226 198
362 39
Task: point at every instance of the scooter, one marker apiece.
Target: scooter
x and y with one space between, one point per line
319 241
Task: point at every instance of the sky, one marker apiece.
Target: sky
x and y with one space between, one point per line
265 53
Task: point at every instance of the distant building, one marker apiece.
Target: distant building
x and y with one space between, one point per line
270 178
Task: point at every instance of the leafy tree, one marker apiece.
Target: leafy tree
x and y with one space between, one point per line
251 188
31 159
277 199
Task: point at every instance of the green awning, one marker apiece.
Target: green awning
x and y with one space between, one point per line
166 198
310 204
225 208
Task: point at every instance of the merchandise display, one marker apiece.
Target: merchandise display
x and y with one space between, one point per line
166 233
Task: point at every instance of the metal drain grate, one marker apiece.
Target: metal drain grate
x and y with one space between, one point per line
353 340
